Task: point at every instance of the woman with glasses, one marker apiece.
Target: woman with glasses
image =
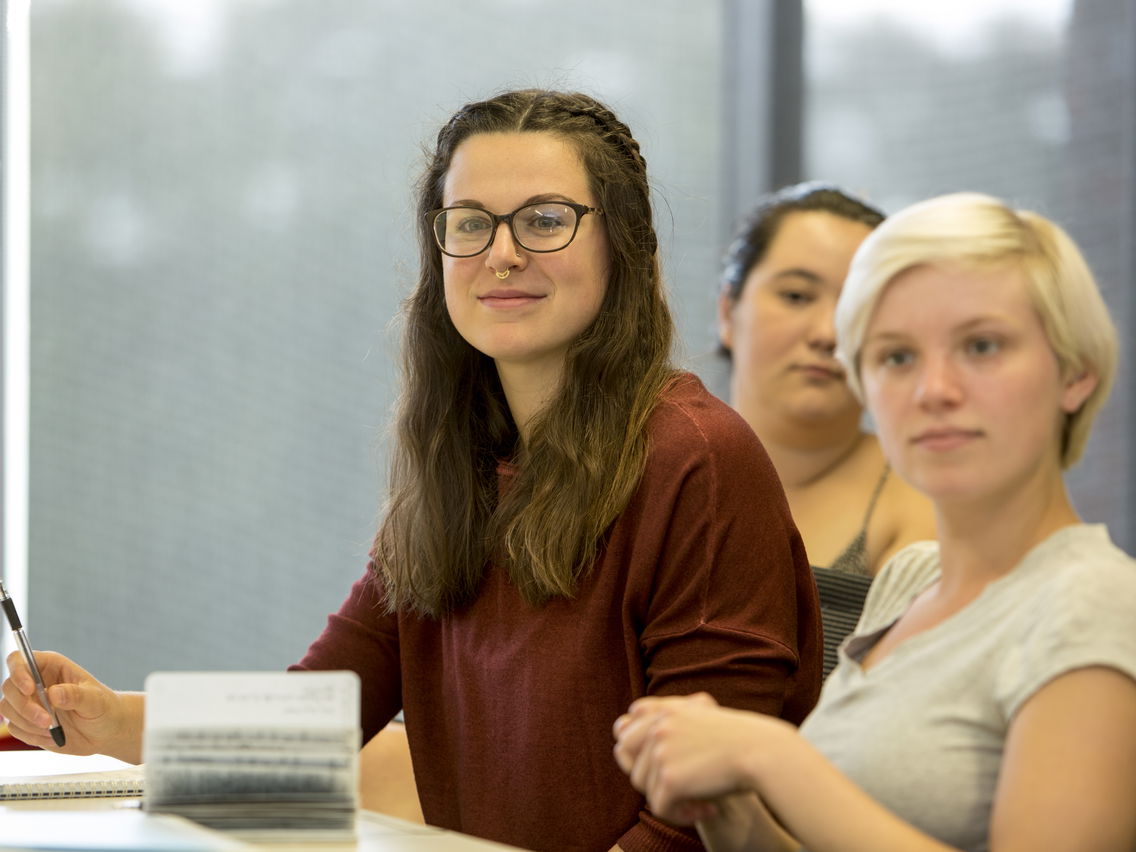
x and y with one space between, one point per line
571 522
987 699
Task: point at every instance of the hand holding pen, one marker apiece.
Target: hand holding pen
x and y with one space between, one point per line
98 719
22 640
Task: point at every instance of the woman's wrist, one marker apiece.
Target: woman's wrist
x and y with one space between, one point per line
753 763
131 713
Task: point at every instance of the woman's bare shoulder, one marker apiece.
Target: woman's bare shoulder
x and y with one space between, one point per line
903 515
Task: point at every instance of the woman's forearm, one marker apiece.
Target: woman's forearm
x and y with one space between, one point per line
821 807
688 755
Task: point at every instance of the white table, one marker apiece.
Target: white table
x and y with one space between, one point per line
374 832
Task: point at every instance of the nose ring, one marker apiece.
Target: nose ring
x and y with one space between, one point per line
502 275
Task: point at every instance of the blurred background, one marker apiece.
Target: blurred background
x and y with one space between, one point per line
221 233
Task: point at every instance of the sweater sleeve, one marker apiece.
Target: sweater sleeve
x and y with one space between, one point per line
733 608
363 638
730 606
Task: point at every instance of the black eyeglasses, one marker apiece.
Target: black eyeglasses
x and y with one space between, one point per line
542 227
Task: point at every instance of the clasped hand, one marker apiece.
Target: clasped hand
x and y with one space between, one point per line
686 753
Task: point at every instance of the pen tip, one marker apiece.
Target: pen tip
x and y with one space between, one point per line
57 735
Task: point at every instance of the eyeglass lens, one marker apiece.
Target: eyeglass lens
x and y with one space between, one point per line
466 231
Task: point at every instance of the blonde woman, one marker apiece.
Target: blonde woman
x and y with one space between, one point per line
987 700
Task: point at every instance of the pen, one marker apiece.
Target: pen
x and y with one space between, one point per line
22 638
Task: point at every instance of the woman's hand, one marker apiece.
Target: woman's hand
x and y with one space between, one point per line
95 718
685 753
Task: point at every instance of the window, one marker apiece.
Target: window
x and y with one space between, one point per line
221 233
1029 100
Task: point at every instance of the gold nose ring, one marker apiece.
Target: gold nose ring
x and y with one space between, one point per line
502 275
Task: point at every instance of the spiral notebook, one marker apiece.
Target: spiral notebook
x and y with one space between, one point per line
118 782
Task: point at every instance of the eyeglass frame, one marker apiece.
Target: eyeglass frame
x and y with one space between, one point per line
581 211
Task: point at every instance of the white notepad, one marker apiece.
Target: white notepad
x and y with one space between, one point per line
36 774
79 785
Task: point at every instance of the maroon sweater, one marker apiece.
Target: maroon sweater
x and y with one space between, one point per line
703 584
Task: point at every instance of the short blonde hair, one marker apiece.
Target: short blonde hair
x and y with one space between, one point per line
980 231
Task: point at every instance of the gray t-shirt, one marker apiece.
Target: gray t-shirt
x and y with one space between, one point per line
923 730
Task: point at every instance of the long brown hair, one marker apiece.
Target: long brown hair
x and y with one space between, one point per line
448 515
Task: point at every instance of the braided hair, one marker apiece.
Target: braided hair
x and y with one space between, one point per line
446 517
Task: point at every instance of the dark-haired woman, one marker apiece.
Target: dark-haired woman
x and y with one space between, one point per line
782 276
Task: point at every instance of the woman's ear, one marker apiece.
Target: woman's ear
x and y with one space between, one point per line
1077 389
726 320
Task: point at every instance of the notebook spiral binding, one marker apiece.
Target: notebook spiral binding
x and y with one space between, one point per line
72 788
